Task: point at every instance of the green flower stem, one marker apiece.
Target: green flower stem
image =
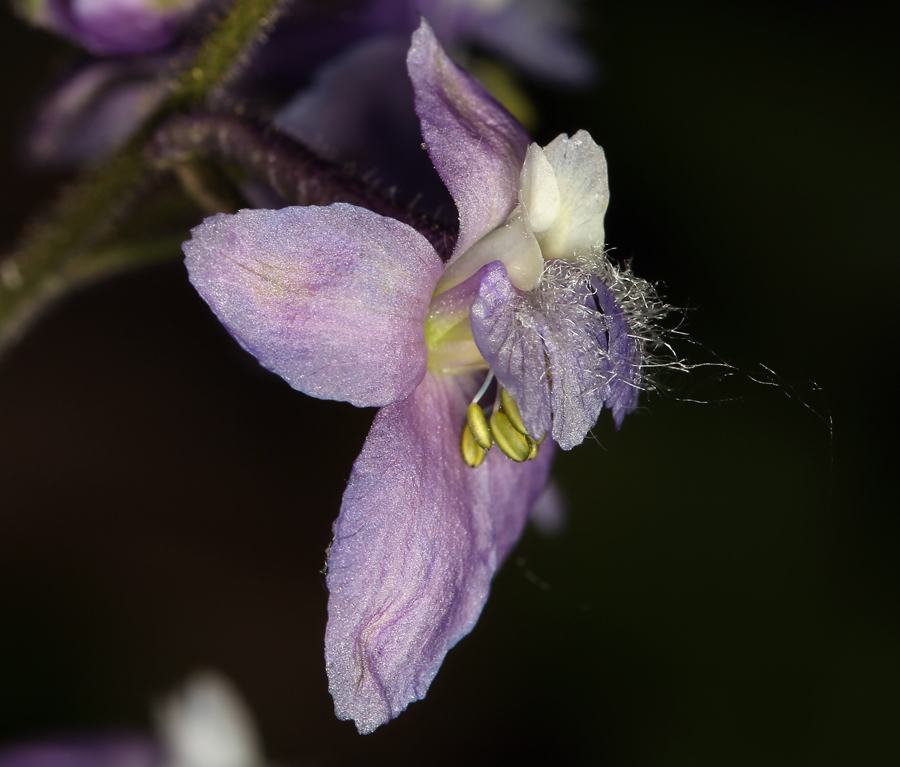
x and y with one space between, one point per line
63 246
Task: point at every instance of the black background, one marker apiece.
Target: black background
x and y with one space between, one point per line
725 592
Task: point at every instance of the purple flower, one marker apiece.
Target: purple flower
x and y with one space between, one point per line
111 27
349 305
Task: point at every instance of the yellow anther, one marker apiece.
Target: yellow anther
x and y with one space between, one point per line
532 449
478 425
508 438
512 411
472 453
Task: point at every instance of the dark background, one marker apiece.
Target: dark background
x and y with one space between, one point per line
726 590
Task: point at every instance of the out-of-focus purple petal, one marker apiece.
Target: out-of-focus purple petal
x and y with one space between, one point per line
535 34
476 146
418 539
332 299
352 104
359 110
116 27
512 350
96 110
113 750
624 355
549 512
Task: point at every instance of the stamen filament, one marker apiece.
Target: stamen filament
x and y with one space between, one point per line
484 387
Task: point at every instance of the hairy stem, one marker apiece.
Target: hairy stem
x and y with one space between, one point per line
59 245
294 172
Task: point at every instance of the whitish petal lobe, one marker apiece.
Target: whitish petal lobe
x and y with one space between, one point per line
579 165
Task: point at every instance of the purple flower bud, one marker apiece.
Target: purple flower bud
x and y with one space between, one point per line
111 27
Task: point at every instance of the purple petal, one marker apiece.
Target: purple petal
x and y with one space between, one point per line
116 27
359 110
115 750
513 351
558 328
418 539
624 354
535 34
96 110
332 299
477 147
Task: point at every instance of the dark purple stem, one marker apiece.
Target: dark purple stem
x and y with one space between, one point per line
295 172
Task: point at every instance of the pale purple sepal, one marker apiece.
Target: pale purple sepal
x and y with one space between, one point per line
624 354
117 27
331 299
477 147
115 750
418 539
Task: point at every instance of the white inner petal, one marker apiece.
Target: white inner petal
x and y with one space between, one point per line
539 189
580 168
513 243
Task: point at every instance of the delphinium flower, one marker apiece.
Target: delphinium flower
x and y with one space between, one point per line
204 724
522 336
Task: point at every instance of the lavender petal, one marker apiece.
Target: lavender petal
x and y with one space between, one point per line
625 354
418 539
359 111
569 327
331 299
116 27
476 146
536 35
96 110
513 349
